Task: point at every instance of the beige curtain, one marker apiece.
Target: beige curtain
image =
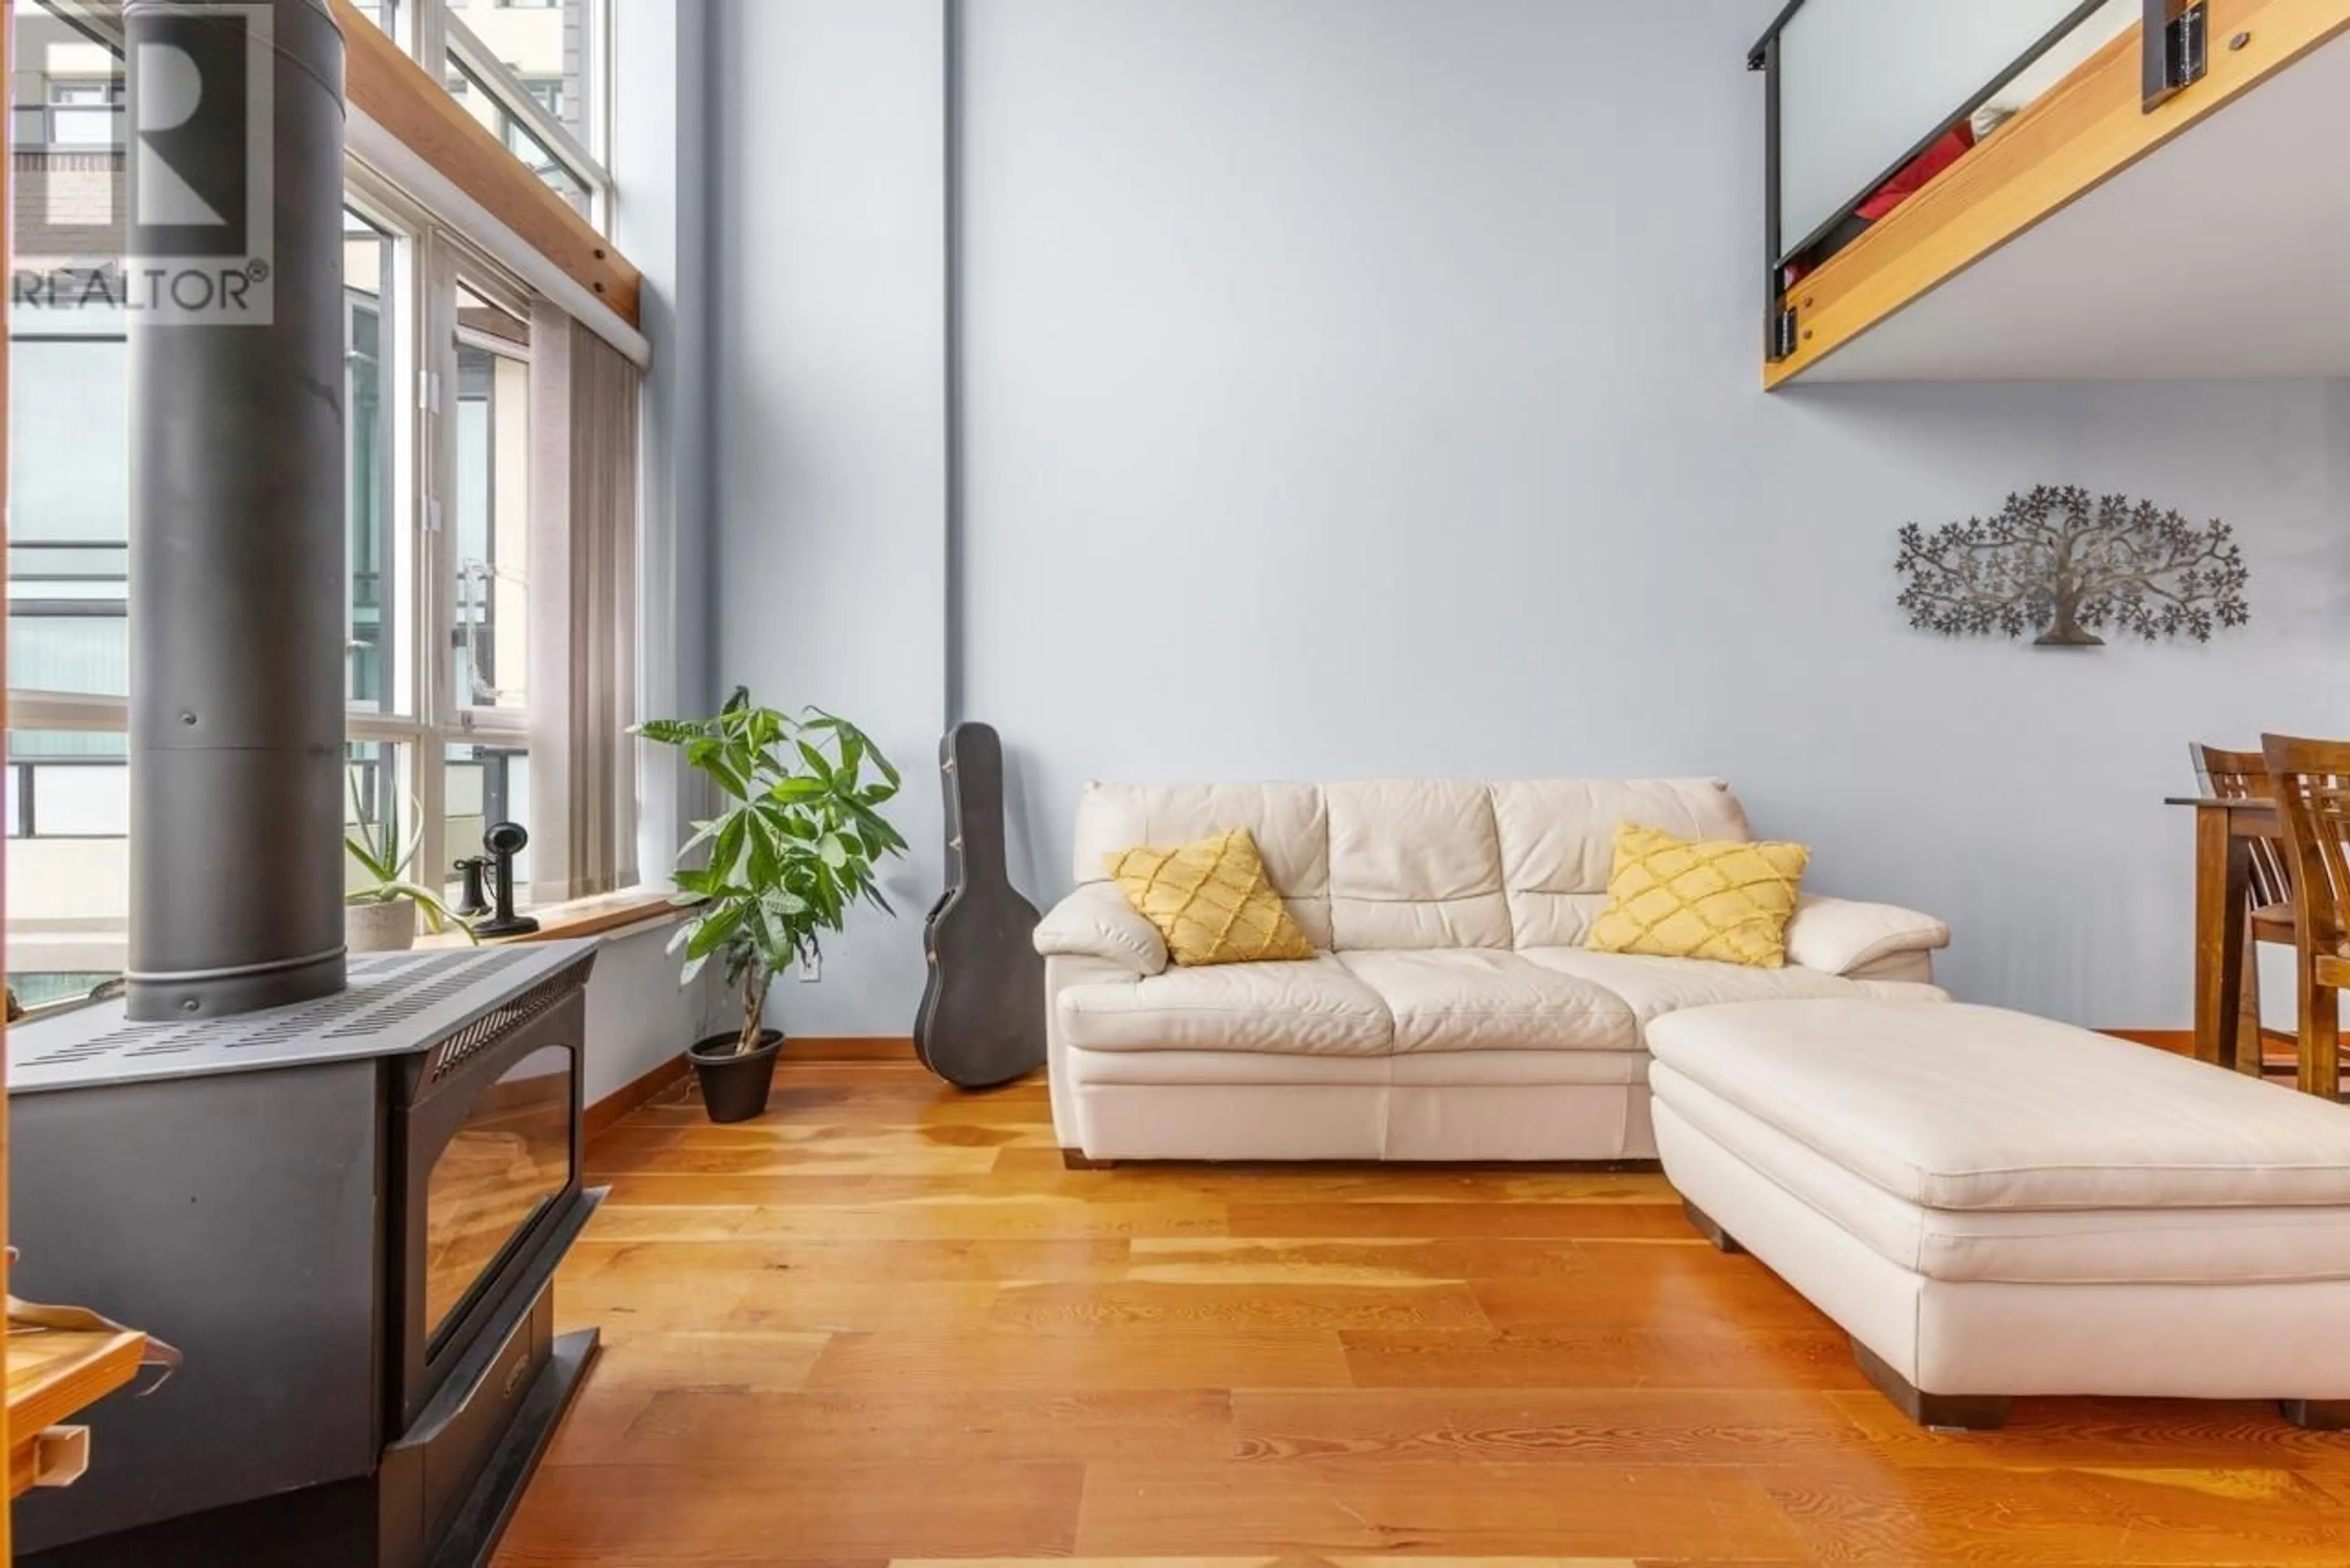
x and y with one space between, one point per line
583 597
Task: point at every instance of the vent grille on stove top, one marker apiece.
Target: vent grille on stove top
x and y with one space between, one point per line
397 1003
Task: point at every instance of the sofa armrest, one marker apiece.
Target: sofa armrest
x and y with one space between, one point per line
1839 936
1096 921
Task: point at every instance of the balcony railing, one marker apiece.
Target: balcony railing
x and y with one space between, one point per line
1867 100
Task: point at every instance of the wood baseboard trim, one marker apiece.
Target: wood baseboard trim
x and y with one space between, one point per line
2182 1041
605 1114
848 1048
2279 1047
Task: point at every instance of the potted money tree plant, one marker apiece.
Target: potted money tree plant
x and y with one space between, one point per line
795 844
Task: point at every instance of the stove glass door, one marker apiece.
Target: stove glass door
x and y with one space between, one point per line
507 1160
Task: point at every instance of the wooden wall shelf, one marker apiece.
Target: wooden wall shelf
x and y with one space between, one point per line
53 1374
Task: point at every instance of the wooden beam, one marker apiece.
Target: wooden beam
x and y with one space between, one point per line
2078 135
399 95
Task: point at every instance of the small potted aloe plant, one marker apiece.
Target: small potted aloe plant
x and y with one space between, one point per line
795 843
380 913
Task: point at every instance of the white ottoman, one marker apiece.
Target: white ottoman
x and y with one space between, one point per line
1993 1204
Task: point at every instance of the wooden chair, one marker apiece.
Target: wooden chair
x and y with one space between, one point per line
2312 780
2244 775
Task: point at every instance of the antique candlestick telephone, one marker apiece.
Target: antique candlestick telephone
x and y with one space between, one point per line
504 840
472 900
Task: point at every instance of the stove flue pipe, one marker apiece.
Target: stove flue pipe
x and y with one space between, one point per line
235 144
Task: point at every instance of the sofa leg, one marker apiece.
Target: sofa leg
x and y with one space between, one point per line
1963 1412
1705 1225
2317 1415
1077 1160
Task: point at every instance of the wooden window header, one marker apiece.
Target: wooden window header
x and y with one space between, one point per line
399 95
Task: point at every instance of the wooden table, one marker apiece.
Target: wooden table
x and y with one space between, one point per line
2225 830
51 1374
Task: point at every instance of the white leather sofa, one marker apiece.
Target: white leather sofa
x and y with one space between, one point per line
1451 1012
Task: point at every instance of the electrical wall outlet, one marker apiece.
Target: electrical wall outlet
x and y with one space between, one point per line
811 969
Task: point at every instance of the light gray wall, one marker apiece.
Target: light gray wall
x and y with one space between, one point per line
660 174
1362 387
638 1017
830 413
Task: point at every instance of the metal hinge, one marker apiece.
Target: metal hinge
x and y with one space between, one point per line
428 391
1783 334
2177 49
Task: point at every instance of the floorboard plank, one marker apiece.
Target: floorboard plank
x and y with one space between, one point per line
1719 1356
2063 1518
1220 1308
1536 1220
741 1512
1453 1510
1605 1426
890 1426
1269 1359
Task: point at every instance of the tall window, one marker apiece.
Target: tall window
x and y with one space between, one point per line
372 326
440 437
533 72
68 869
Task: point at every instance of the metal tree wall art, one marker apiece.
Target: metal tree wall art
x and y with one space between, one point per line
2066 565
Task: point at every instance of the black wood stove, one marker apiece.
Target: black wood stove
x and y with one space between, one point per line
346 1213
339 1186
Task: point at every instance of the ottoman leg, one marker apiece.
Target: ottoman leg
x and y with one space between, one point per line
1966 1412
1077 1160
1705 1225
2317 1415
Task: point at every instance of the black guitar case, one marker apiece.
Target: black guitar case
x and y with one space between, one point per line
982 1018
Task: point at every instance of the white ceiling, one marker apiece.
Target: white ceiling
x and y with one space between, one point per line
2225 253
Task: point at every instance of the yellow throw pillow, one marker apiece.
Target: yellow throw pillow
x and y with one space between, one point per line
1700 898
1211 900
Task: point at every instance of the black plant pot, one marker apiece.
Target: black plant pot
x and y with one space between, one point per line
734 1087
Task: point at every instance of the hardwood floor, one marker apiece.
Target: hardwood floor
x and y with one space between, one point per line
883 1325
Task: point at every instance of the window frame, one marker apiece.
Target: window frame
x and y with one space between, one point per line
424 720
514 95
431 719
433 34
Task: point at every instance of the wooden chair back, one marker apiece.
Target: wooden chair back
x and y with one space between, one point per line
2312 780
2244 775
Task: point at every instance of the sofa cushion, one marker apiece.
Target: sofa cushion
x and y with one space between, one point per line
1653 987
2097 1246
1951 1107
1286 820
1210 901
1414 863
1474 999
1313 1008
1558 842
1719 898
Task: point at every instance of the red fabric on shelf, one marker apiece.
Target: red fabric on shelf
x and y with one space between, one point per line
1918 171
